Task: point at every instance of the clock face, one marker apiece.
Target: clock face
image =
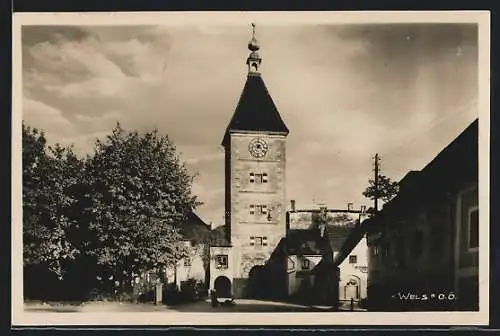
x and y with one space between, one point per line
258 147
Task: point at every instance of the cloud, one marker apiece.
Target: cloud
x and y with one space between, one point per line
46 118
345 92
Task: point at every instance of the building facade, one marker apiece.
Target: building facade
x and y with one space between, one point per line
353 282
425 241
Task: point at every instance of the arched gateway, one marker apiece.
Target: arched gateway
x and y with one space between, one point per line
222 286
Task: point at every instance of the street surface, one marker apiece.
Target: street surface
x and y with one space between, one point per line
200 306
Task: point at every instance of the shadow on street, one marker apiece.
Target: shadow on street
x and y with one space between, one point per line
200 306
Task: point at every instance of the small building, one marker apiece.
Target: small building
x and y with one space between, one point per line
353 280
301 268
195 267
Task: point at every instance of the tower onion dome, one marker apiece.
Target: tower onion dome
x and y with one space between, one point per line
253 45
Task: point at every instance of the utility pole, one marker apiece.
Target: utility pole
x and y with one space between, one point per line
376 182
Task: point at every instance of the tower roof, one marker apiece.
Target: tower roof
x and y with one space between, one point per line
256 111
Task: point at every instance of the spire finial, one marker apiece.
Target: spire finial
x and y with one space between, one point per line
253 44
254 59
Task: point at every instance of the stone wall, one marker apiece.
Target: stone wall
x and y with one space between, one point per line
241 194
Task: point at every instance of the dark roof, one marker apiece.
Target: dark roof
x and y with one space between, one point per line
256 110
218 237
461 153
337 235
455 164
350 242
307 241
194 228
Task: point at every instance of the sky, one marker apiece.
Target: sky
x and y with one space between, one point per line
345 92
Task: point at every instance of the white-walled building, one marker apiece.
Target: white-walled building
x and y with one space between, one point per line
354 273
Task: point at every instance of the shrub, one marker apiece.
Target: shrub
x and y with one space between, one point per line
171 294
148 296
97 294
193 290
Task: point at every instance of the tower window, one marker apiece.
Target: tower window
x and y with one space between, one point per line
258 241
258 178
258 210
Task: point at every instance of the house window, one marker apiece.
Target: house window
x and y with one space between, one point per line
473 228
258 210
187 262
258 178
306 264
376 250
387 249
258 241
353 259
221 261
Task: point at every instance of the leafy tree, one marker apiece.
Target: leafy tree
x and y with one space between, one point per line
141 194
48 174
385 189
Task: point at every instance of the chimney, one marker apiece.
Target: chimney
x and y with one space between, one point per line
292 205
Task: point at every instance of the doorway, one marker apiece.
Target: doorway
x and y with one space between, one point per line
351 290
222 286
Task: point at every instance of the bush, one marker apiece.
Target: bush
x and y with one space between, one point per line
171 294
193 290
148 296
127 297
96 294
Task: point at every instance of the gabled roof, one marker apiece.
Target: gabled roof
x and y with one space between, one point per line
440 173
194 228
337 236
218 237
350 242
256 111
306 242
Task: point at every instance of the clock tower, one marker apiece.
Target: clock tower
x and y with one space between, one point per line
255 168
